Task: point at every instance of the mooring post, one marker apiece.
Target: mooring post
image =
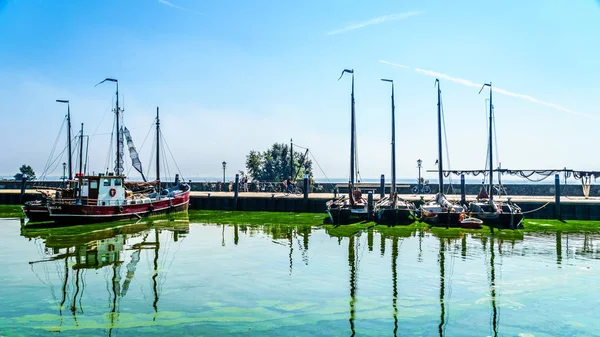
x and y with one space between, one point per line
23 180
557 213
236 188
370 205
306 192
463 193
382 186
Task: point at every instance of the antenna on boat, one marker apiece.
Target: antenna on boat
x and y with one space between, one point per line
490 146
393 188
68 135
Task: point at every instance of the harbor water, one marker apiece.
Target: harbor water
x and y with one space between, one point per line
176 277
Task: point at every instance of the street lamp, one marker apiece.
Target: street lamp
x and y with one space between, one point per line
64 165
419 162
224 167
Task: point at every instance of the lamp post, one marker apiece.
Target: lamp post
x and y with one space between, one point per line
419 162
224 167
64 165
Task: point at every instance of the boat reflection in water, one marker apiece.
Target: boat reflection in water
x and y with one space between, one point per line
233 278
89 247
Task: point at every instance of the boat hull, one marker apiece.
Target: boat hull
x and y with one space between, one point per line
344 216
442 219
80 214
500 220
390 216
36 212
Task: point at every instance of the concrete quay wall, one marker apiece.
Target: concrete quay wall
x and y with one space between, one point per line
511 189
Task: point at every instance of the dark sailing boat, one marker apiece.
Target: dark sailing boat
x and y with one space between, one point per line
441 211
107 197
394 210
354 207
491 212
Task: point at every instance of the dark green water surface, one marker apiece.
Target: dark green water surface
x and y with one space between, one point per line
173 277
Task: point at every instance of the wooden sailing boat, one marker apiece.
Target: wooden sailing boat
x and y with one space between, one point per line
441 211
394 210
353 207
491 212
107 197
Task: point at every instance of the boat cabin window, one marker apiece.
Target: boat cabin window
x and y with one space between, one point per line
106 182
94 184
117 182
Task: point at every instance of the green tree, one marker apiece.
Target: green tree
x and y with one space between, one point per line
274 164
25 171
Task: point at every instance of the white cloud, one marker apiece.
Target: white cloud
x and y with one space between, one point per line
375 21
468 83
170 4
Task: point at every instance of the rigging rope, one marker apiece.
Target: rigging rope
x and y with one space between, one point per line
172 157
44 173
318 165
450 187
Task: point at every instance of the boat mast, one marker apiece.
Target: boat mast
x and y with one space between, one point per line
491 188
439 117
352 136
292 158
393 189
118 134
118 168
158 148
81 150
68 136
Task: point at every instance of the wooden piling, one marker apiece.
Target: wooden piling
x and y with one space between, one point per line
306 192
557 211
463 192
23 181
382 186
236 188
370 205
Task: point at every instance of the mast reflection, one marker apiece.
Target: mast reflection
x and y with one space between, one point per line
395 283
96 247
441 259
353 280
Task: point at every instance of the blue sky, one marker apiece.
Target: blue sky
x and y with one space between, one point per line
233 76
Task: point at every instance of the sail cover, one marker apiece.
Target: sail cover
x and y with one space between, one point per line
135 158
119 160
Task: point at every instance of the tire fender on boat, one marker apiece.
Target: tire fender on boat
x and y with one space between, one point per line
120 209
151 208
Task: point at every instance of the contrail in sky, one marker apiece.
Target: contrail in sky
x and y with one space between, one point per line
495 89
375 21
170 4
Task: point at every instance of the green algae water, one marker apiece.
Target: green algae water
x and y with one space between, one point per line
182 277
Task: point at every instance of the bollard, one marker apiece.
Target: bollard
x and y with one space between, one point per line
306 192
370 205
557 213
23 189
382 186
463 193
236 188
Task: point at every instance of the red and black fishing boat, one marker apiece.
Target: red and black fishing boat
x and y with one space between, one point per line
108 197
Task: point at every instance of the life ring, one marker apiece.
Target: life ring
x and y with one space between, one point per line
461 217
112 192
